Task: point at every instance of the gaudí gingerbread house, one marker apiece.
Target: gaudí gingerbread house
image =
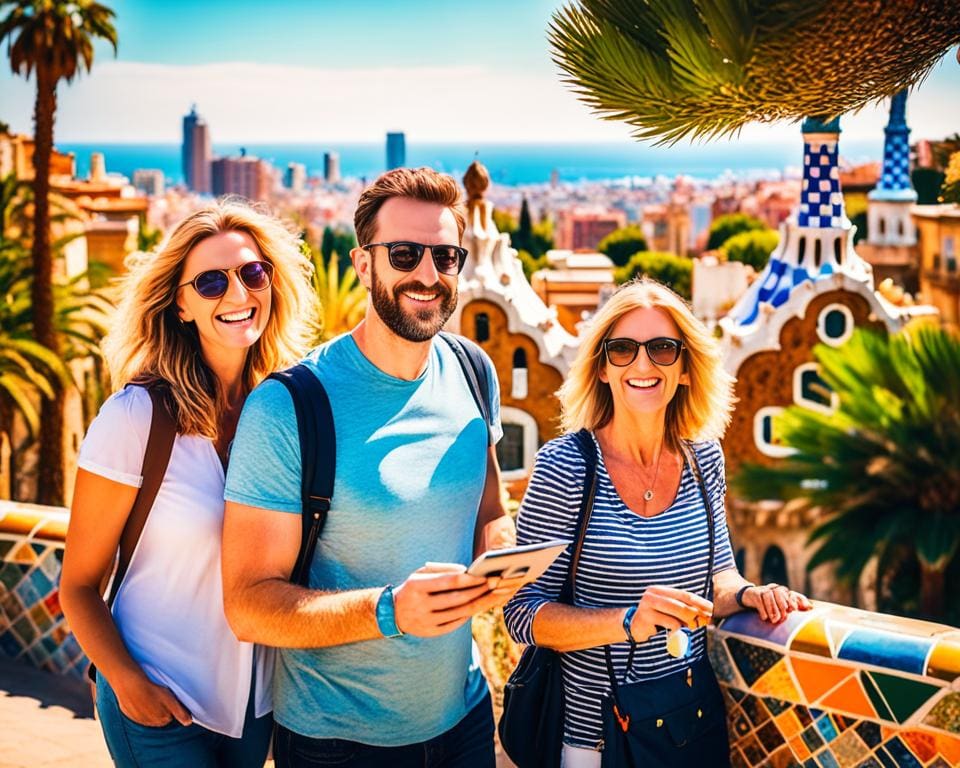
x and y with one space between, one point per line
531 350
815 289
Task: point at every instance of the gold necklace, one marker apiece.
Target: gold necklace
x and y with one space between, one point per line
648 494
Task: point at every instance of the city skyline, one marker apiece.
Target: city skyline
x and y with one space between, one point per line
318 72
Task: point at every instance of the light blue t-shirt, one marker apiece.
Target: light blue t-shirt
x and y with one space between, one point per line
411 464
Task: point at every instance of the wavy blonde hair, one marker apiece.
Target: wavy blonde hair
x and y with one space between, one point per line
700 411
148 343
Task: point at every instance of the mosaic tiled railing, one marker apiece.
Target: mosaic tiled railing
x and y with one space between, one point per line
32 626
830 688
840 688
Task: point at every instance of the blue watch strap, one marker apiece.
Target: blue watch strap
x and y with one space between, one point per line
627 621
386 613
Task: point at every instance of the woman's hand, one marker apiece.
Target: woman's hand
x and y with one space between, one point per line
774 602
147 703
670 609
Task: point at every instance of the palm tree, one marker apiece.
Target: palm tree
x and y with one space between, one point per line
343 300
28 371
52 39
706 68
885 463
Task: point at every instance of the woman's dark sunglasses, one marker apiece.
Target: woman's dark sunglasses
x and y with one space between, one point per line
662 350
405 256
213 283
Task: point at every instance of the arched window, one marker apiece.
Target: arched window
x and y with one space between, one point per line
835 324
901 227
817 253
774 568
837 251
520 379
518 446
765 433
801 250
883 226
481 327
810 390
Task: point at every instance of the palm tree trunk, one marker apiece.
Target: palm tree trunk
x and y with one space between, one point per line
932 581
50 480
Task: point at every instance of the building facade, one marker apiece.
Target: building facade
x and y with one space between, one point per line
245 175
938 236
331 167
582 228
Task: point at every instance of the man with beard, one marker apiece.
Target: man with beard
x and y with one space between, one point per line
375 665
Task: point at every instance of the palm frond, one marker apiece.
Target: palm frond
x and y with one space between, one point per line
706 68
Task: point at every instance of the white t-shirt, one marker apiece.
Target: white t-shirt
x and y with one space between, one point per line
169 609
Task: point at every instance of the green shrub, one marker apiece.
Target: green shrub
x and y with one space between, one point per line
753 247
724 227
668 268
622 243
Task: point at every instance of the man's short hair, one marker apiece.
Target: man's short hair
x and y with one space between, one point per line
424 184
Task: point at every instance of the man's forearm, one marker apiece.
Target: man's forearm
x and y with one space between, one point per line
277 613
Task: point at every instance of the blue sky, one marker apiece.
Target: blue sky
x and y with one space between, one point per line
316 71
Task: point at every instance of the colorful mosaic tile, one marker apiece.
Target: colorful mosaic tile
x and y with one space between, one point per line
816 678
944 661
777 682
752 660
945 713
813 638
886 649
5 546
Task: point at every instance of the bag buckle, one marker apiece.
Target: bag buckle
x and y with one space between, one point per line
690 677
318 504
624 721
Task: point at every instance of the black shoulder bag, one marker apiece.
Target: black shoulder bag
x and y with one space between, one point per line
318 440
531 727
675 721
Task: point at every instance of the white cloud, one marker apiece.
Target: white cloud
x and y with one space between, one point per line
256 103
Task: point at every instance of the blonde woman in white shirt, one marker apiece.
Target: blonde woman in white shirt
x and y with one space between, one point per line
224 302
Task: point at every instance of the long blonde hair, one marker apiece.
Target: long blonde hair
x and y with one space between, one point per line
147 342
700 411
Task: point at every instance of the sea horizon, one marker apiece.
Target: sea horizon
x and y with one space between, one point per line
509 163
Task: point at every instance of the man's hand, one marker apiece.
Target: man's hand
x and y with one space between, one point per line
440 598
773 602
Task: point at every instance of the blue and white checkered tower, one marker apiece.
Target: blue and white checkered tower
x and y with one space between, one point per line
815 244
888 211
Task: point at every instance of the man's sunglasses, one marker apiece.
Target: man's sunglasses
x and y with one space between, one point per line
405 256
213 283
662 350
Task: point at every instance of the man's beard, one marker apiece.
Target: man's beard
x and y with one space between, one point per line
419 325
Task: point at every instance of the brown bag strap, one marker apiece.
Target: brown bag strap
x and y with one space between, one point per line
156 457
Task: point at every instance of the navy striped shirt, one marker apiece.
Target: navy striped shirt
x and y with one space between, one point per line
623 554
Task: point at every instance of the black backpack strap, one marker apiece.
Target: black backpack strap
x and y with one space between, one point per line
588 449
473 361
318 455
690 454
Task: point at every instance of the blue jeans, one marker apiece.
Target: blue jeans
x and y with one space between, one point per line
469 744
173 745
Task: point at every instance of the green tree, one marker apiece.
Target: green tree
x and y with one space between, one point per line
753 247
622 243
951 182
707 68
148 237
522 238
726 226
928 182
855 204
343 299
542 237
51 40
668 268
327 243
885 463
504 221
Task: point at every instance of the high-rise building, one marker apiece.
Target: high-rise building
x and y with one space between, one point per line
246 176
331 167
197 153
295 179
149 181
396 151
